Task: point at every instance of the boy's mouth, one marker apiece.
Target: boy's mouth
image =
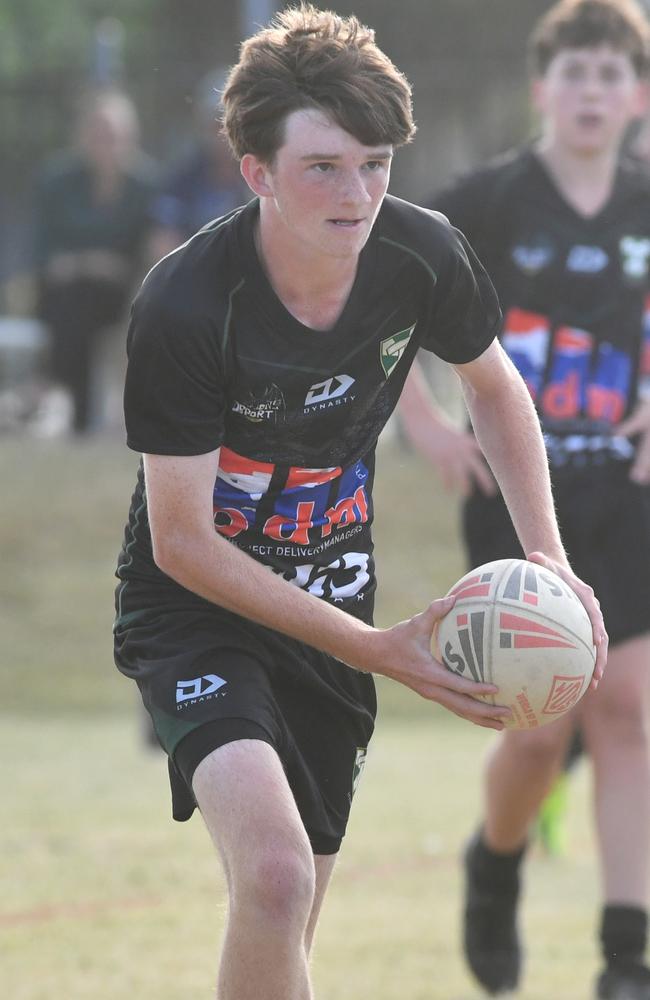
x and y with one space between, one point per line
589 119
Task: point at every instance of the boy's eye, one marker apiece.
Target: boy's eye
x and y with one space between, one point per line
374 164
323 167
574 72
610 74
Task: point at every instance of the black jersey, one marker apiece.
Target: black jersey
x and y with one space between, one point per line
216 361
574 292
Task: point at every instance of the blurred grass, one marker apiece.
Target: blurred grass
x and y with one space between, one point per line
104 896
64 507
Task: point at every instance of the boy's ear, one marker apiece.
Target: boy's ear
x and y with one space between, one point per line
257 175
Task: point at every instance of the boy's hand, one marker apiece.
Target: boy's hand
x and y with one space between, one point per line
638 425
403 653
591 605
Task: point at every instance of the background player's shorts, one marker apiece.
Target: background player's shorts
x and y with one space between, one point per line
208 677
604 519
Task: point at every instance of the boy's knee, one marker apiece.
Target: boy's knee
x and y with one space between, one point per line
621 715
279 884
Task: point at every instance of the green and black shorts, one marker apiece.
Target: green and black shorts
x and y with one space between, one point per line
208 677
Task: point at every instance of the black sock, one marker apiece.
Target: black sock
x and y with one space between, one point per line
495 869
623 933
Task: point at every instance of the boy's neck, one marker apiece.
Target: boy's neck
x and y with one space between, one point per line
313 288
585 182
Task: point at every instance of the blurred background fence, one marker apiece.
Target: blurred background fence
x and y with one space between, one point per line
465 58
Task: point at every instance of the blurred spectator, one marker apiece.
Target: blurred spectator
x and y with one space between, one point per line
204 183
93 219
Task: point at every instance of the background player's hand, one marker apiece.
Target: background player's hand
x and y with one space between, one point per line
456 456
591 604
637 425
407 649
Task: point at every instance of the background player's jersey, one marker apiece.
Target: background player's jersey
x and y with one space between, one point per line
216 361
574 292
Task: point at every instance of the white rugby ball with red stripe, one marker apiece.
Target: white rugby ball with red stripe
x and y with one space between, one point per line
519 626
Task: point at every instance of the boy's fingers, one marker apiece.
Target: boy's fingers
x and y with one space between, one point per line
440 607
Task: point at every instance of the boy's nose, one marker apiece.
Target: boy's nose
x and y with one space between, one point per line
353 189
593 84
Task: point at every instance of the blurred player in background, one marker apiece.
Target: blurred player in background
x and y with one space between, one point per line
204 183
563 228
93 217
265 356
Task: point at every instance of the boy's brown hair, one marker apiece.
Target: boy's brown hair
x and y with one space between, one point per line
310 58
586 24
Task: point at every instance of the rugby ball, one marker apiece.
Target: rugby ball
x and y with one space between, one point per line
519 626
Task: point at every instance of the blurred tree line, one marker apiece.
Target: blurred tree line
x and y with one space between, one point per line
465 59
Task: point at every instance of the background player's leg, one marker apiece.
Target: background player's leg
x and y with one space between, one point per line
520 769
616 731
519 772
615 725
248 807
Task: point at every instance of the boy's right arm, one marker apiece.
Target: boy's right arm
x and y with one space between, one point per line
187 548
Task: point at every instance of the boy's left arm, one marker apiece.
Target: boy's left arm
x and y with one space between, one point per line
508 431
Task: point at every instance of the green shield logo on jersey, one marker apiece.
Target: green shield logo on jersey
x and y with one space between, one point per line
392 348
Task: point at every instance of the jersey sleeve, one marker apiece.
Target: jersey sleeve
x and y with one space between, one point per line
174 396
465 316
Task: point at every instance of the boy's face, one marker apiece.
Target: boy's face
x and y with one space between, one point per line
324 188
587 98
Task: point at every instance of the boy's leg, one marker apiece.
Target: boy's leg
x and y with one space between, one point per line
248 807
615 724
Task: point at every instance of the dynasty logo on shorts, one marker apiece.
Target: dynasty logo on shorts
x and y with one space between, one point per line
199 689
359 764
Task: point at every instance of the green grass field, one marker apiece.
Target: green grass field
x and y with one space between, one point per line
103 896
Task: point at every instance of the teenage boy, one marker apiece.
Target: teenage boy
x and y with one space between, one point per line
265 356
563 229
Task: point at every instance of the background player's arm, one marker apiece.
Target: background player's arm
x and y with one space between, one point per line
508 431
637 426
453 451
187 548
